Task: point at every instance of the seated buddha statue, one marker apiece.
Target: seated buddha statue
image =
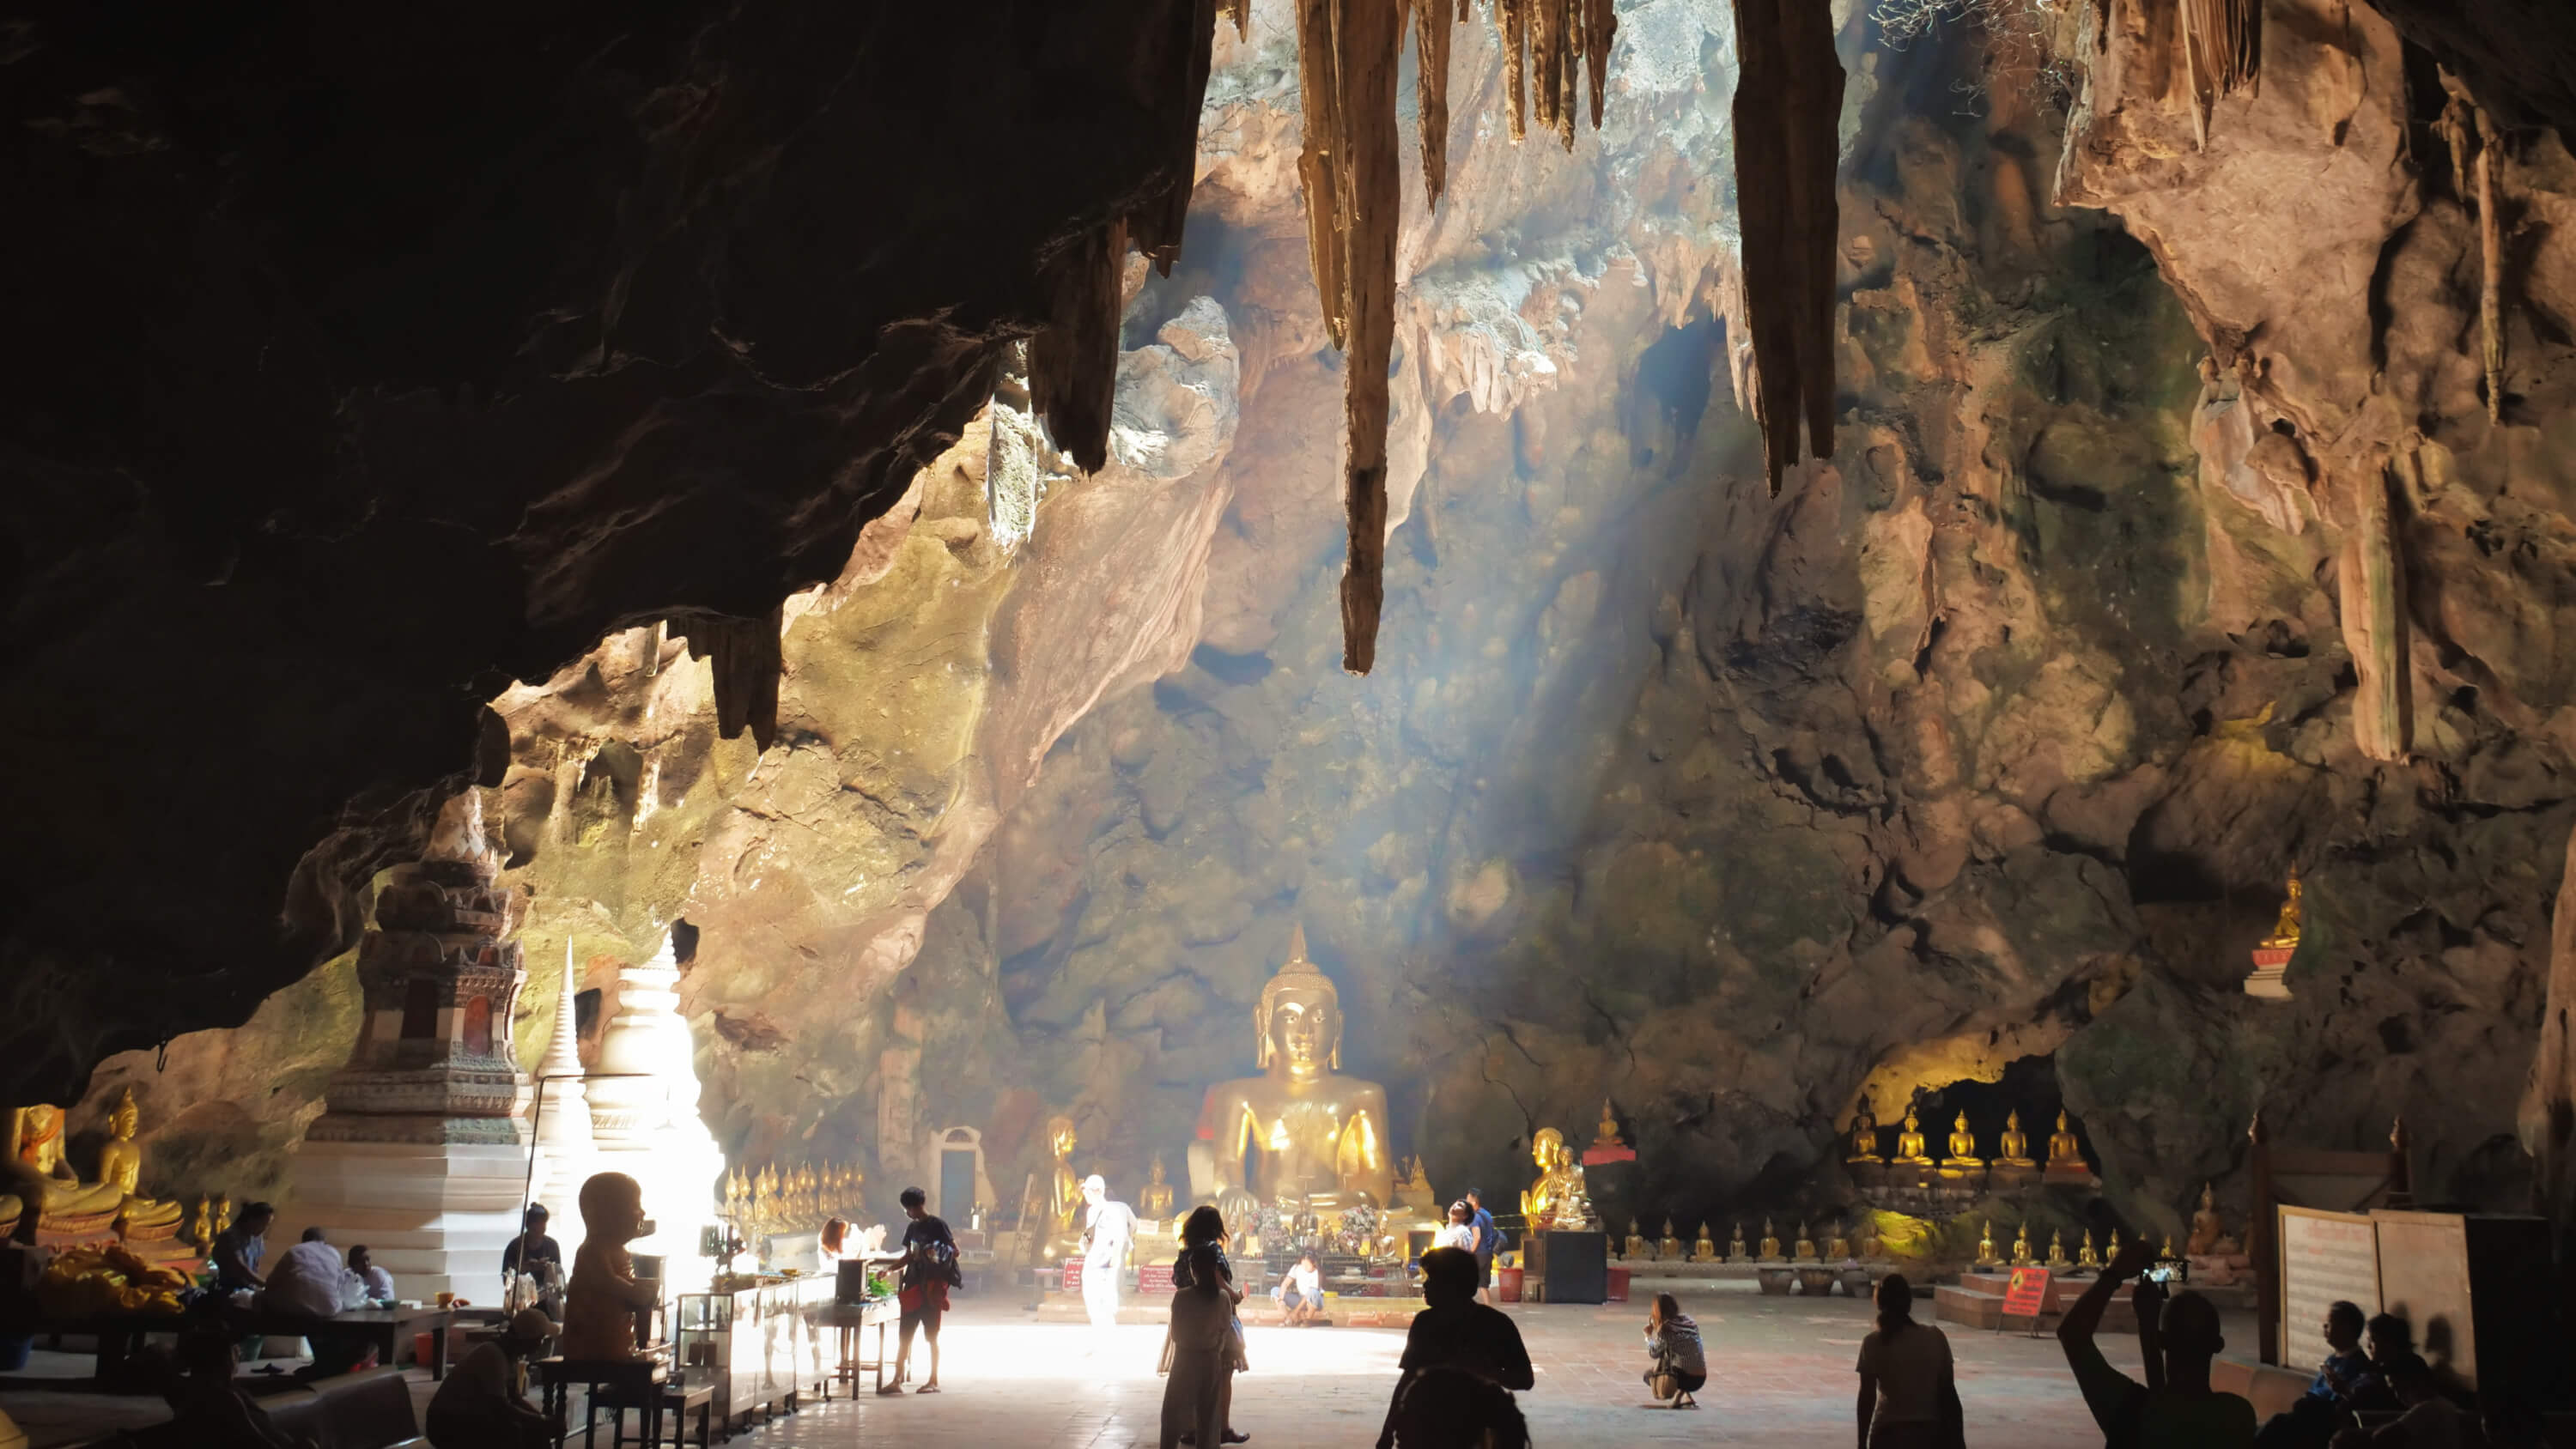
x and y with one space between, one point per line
2063 1152
1670 1249
1805 1247
2056 1249
2113 1250
2206 1230
1986 1246
46 1178
1864 1136
1770 1241
1636 1244
1155 1202
1559 1200
1839 1246
1064 1206
2021 1246
1310 1134
2086 1257
1735 1250
2016 1143
1704 1251
2286 929
1963 1146
120 1165
1909 1143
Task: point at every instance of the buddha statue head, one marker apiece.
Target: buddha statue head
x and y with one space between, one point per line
1299 1018
124 1116
612 1208
1060 1137
1547 1147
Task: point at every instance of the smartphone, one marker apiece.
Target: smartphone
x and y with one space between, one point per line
2163 1272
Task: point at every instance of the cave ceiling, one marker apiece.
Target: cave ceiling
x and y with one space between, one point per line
2162 540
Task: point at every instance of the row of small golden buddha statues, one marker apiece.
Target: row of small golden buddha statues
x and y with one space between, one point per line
796 1200
68 1211
1803 1249
2065 1155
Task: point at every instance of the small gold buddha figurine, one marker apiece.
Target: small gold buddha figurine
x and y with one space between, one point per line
1770 1241
2285 931
1839 1247
1864 1136
2016 1143
1909 1143
2056 1249
1736 1252
1607 1134
1670 1250
120 1165
1963 1146
2021 1246
1986 1245
2112 1251
201 1228
1804 1248
2063 1153
2166 1253
2205 1227
2086 1257
1636 1244
1155 1202
1704 1251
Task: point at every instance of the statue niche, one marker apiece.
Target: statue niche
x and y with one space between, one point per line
1300 1132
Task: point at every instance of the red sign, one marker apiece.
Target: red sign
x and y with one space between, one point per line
1153 1279
2026 1296
1073 1275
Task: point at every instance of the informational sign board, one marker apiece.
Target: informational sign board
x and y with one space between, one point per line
2025 1296
2424 1279
1073 1275
1154 1278
2324 1257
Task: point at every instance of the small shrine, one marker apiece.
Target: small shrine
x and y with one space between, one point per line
2272 955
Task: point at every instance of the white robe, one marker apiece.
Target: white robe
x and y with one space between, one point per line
1108 1229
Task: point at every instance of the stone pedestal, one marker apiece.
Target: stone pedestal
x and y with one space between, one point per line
421 1152
2271 964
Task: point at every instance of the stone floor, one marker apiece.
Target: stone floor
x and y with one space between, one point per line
1781 1375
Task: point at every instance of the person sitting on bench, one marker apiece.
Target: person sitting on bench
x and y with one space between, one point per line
483 1404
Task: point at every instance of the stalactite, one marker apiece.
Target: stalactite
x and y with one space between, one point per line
2472 137
2371 581
2222 44
746 662
1431 20
1549 46
1073 360
1787 102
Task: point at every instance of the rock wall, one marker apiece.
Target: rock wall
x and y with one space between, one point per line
2168 546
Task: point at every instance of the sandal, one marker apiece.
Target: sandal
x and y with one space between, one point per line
927 1389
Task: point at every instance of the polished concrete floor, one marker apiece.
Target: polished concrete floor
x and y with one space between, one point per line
1780 1374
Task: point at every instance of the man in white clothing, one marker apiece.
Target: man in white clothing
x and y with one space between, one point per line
310 1281
1108 1230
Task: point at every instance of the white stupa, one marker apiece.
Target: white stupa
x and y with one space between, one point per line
643 1095
565 1147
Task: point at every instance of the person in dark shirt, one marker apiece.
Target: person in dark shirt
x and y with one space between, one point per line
1203 1250
206 1404
1488 1239
238 1249
1457 1332
929 1256
2345 1381
532 1245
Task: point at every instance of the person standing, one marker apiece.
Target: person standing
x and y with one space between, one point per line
2182 1411
929 1265
1456 1332
1909 1395
1108 1231
1489 1240
1681 1364
1200 1391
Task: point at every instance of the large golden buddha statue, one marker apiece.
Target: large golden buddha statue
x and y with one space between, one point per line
1314 1135
1155 1202
47 1177
1064 1191
1963 1146
120 1165
2063 1152
2016 1143
1909 1143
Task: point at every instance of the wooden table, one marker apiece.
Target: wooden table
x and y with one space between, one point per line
121 1335
641 1384
853 1320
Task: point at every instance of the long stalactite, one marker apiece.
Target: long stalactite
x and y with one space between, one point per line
1787 103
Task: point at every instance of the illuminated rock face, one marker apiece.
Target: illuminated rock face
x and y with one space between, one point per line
1992 741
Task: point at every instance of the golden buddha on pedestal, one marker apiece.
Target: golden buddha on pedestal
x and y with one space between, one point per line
1986 1245
1704 1251
1636 1245
2086 1257
54 1190
2063 1151
1910 1149
1606 1135
1770 1241
1155 1202
1805 1247
1864 1136
2021 1246
1963 1146
2056 1249
2206 1231
2287 928
1839 1247
2016 1143
1735 1250
1313 1135
1063 1226
1670 1249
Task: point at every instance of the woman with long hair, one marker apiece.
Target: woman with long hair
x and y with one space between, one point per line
1204 1345
1909 1395
1681 1365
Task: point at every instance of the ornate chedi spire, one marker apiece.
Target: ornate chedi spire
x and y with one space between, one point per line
564 1142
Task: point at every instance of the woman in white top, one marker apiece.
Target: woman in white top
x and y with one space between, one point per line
1461 1232
1909 1398
1301 1293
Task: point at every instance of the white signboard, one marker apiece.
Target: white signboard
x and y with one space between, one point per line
2324 1256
